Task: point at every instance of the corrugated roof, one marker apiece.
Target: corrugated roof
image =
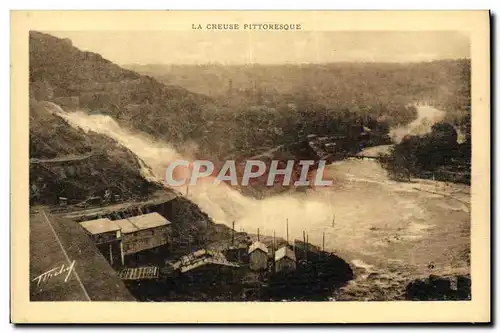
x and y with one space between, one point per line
257 245
207 261
100 226
284 252
200 258
142 222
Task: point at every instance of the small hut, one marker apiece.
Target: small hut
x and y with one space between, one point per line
144 232
257 253
204 267
306 251
237 253
106 234
285 260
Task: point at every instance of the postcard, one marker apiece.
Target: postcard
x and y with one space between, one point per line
250 166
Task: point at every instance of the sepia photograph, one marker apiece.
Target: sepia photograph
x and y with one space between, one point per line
253 162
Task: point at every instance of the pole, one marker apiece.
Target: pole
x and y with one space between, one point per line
304 239
307 245
110 254
287 232
258 234
232 239
274 241
274 251
323 241
122 255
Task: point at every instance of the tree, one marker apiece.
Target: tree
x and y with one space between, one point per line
404 161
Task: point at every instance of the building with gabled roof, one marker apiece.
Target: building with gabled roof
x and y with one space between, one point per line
258 246
100 226
143 232
199 258
305 250
285 260
147 221
118 238
106 234
59 245
258 256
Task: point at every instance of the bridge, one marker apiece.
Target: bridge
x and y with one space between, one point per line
362 157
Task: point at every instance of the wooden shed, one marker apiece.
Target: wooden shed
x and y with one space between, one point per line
106 234
257 255
143 232
285 260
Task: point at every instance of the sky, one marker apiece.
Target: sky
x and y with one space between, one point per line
269 47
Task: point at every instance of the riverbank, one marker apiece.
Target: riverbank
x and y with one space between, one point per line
365 215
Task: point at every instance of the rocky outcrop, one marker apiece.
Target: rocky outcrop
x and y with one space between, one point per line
439 288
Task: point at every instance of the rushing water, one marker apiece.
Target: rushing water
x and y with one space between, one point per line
363 214
426 117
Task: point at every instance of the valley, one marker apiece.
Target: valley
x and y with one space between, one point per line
101 138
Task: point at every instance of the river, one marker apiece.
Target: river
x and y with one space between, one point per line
378 225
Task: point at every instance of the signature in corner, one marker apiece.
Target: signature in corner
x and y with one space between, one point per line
56 271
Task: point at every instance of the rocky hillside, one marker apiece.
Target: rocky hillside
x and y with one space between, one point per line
66 162
77 79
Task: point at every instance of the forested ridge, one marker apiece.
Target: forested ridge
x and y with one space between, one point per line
220 112
258 106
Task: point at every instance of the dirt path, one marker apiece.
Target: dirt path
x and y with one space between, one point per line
66 158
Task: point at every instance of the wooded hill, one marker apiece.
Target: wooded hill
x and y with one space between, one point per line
260 106
237 111
136 101
373 87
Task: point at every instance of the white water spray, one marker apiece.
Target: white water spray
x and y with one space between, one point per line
366 206
427 116
221 202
